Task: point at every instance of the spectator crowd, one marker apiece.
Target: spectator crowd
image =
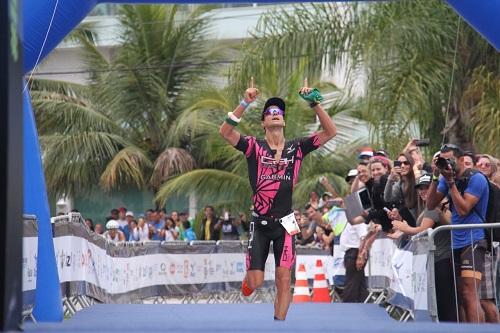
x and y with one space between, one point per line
400 197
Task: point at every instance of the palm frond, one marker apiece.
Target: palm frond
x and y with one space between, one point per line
210 185
74 161
128 166
172 161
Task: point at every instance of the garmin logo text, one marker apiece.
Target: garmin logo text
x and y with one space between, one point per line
275 177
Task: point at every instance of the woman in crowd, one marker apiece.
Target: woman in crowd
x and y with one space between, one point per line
362 177
141 232
90 224
487 164
314 199
442 256
400 187
168 233
379 170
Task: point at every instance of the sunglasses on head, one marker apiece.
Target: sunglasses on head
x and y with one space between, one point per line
274 111
449 146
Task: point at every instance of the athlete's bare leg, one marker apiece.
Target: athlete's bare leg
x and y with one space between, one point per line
283 296
254 278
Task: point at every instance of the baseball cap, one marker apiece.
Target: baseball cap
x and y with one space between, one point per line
352 173
122 209
276 101
112 224
365 152
425 179
129 213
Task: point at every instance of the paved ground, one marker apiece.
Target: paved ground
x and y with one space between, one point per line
311 317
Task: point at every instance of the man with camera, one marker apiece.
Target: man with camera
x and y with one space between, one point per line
468 196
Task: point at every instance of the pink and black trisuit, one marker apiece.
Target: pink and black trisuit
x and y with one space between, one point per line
272 184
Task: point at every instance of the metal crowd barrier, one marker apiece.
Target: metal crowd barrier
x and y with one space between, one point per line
431 233
73 303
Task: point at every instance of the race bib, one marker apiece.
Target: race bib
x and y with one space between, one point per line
290 224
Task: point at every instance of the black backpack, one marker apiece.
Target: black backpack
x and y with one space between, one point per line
493 208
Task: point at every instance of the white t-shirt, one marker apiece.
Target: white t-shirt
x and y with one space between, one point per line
122 223
169 236
108 236
351 236
142 234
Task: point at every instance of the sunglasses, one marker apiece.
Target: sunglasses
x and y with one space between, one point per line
405 163
449 146
484 165
274 112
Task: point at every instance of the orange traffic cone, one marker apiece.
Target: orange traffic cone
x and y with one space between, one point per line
321 293
301 292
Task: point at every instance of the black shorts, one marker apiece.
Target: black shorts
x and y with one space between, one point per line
259 240
469 260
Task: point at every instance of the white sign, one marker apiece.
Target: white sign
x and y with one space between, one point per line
30 251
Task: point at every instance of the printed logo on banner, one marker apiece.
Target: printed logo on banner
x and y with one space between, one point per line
186 268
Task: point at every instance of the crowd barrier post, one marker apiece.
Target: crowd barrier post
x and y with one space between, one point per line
431 280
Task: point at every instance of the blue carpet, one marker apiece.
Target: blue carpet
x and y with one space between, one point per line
311 317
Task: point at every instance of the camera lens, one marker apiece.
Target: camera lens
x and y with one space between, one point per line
442 163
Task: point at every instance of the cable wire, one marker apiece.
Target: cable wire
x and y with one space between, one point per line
451 80
43 45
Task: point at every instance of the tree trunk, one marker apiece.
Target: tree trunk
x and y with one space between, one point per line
457 129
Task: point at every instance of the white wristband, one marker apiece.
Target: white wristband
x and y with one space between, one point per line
233 117
244 104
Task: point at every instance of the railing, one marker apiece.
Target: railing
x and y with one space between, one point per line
431 233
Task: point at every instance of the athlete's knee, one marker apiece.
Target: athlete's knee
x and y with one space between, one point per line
283 277
254 281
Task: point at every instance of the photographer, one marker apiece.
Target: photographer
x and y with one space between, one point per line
468 194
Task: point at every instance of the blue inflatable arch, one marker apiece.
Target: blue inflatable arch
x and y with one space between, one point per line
45 24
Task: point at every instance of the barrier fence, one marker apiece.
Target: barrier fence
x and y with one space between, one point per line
93 269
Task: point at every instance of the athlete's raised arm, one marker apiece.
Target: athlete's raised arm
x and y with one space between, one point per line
314 98
233 118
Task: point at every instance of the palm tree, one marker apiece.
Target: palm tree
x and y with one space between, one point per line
119 130
403 53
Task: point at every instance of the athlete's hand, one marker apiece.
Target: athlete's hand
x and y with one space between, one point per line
251 93
305 89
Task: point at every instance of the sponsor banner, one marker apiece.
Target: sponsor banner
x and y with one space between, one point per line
80 260
378 270
125 272
408 288
30 251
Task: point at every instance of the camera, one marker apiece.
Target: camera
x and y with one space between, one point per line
422 142
443 163
397 163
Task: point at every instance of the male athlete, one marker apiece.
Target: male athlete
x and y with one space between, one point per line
273 169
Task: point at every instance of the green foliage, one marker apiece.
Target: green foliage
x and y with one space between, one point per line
120 129
403 51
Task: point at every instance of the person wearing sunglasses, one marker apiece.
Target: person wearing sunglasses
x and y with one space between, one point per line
400 186
487 164
273 169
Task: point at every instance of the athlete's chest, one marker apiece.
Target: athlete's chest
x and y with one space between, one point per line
266 157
